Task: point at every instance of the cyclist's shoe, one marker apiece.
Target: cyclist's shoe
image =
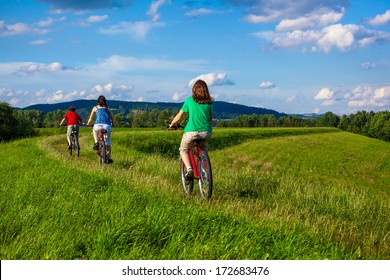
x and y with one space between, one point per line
190 174
110 161
96 146
69 147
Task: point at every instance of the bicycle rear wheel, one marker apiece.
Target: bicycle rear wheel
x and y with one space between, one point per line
206 177
71 144
102 153
76 146
188 186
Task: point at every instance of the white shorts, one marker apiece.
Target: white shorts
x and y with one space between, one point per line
97 127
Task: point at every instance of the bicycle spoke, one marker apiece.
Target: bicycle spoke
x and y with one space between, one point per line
188 185
205 180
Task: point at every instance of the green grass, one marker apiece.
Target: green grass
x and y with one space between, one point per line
278 194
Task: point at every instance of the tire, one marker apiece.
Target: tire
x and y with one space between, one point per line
71 145
205 176
76 147
102 153
188 186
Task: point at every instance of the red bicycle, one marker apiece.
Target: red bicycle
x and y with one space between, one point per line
200 163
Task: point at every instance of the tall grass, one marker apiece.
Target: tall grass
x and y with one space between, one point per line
278 194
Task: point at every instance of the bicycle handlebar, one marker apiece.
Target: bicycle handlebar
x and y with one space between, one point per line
175 126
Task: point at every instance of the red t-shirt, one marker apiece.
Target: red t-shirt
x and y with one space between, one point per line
73 118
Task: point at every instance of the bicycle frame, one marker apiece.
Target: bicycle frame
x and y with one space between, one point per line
194 159
102 152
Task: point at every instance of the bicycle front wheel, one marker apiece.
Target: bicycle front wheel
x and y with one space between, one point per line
188 185
205 176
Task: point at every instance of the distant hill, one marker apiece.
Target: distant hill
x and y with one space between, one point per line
222 110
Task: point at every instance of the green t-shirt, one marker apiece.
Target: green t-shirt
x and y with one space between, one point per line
199 115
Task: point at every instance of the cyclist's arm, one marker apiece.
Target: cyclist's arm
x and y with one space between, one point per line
176 118
79 120
111 117
62 121
91 116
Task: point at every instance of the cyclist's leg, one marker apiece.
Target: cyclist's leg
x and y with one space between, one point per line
95 130
68 132
185 146
108 140
76 128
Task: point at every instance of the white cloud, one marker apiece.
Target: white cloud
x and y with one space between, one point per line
381 19
49 21
39 42
19 29
266 84
33 68
329 102
291 98
177 96
23 98
368 65
324 94
111 88
317 19
129 63
342 37
368 97
58 96
382 93
138 30
153 9
202 12
96 18
212 79
264 11
253 18
316 110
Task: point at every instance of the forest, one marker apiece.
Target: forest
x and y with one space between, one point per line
16 123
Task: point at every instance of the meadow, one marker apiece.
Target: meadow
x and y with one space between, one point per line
279 194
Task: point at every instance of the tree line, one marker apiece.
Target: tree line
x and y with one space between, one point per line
374 125
21 123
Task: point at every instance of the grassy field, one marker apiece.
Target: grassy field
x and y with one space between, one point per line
279 193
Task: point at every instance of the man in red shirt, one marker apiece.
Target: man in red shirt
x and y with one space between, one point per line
73 122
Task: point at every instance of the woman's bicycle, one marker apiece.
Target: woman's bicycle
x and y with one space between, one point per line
102 148
200 163
74 142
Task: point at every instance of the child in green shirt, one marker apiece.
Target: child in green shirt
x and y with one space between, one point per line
200 110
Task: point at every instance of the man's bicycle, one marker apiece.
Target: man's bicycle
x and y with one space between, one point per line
74 142
200 163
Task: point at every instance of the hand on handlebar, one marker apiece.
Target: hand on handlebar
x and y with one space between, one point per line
174 126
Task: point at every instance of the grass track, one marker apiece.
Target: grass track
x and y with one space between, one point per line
279 194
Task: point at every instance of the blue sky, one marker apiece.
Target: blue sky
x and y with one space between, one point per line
308 56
